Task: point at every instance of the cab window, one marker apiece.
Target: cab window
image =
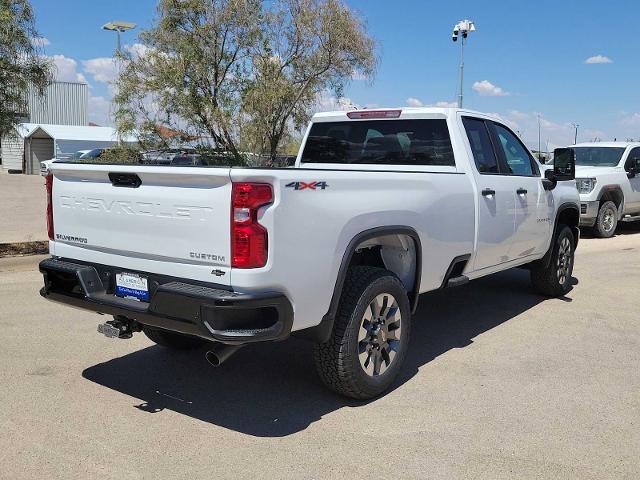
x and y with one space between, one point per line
516 156
380 142
480 142
633 154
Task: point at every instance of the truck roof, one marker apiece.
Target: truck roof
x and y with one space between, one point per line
341 115
608 144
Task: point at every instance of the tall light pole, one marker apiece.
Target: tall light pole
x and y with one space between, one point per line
118 27
463 27
539 138
575 137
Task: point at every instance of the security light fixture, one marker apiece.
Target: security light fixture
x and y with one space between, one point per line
463 27
118 27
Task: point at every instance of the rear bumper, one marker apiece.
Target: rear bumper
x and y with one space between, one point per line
211 312
589 213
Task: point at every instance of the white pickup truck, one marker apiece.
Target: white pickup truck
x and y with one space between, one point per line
380 207
609 184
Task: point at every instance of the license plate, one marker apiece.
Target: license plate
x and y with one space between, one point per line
132 285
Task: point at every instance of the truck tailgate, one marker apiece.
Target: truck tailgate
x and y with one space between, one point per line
175 222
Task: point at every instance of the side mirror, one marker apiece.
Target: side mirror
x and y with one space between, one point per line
564 164
564 168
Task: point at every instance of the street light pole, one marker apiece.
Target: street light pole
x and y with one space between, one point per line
461 91
575 137
118 27
539 139
463 27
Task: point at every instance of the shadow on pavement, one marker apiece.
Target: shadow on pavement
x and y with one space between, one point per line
272 390
624 228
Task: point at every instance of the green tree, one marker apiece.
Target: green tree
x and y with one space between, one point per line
191 75
239 72
21 65
310 46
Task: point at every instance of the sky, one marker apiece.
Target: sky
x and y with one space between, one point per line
563 62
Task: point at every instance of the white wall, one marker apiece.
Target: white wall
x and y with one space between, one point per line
12 152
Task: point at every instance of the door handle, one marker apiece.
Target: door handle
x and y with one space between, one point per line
487 192
521 191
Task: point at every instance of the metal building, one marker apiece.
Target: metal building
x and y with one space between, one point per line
13 148
63 103
44 142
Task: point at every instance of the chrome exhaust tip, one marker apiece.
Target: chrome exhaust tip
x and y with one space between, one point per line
220 353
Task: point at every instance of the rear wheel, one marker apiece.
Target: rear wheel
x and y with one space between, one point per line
172 340
370 335
607 220
555 279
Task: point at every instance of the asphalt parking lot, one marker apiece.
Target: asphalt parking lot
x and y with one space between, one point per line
499 383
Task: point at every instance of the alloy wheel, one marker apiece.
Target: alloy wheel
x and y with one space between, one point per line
608 220
379 334
565 257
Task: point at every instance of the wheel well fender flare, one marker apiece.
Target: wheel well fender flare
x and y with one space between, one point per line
563 209
613 191
322 331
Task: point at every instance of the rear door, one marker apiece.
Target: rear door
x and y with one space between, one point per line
496 201
167 220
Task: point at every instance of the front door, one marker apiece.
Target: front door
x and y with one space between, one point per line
632 197
496 201
533 204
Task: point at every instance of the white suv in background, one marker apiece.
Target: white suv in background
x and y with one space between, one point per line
608 180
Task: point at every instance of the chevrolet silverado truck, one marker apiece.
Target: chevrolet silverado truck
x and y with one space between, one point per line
608 180
380 207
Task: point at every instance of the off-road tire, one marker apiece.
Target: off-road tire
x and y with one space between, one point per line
337 360
551 280
607 220
172 340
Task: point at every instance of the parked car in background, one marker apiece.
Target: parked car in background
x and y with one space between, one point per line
381 206
44 165
95 153
608 180
164 157
191 159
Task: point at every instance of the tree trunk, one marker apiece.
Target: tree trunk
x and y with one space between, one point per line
273 149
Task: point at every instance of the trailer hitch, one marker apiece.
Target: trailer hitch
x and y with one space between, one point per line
119 327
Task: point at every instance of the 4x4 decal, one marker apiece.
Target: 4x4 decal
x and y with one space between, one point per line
305 185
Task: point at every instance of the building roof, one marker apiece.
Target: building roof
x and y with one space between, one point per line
26 129
73 132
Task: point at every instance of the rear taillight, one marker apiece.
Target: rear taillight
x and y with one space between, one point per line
49 185
249 239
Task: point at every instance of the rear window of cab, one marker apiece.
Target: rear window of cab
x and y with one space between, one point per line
380 142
